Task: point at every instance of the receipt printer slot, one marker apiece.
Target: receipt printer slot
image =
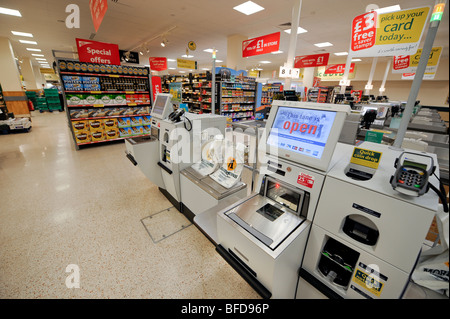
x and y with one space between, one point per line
360 232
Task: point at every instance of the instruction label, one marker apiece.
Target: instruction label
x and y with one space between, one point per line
369 282
367 158
305 180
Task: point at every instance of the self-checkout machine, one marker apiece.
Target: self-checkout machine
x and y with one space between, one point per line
371 221
263 236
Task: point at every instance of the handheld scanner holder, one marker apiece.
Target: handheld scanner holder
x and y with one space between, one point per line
413 171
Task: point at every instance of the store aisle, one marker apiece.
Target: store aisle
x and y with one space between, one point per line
60 207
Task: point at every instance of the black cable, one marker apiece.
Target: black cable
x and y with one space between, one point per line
190 124
441 194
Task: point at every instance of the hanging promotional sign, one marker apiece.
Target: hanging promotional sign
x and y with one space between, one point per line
311 61
129 57
409 63
261 45
156 86
338 68
334 76
158 64
388 34
186 64
98 10
98 52
410 76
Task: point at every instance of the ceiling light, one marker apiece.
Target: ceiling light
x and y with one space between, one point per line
341 53
356 60
40 59
172 68
258 69
164 42
210 50
37 50
277 52
206 69
388 9
22 34
171 60
141 53
26 41
35 54
299 30
248 8
187 56
10 12
265 62
220 61
182 71
323 44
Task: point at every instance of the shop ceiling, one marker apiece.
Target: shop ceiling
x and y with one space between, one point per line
135 23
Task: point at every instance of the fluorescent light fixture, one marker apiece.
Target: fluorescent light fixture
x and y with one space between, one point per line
210 50
182 71
248 8
323 44
265 62
356 60
277 52
258 69
388 9
10 12
22 34
341 53
35 54
187 56
41 59
206 69
171 60
31 49
220 61
172 68
299 30
26 41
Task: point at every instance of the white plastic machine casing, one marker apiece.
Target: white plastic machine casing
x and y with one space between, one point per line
402 223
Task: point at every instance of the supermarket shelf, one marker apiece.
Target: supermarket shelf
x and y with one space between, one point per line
111 140
102 92
105 75
107 117
106 105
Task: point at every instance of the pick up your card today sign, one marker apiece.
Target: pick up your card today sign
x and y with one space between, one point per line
388 34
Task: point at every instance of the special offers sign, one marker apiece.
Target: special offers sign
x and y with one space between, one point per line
261 45
98 52
388 34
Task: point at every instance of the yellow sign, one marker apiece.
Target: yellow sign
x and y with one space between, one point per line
369 282
367 158
332 76
432 60
192 46
47 71
186 64
401 26
231 164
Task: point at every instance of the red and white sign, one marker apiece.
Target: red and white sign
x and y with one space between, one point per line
98 11
261 45
156 86
98 52
338 68
316 81
363 31
305 180
401 62
311 61
158 64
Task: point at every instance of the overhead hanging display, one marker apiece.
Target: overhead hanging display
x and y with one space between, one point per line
261 45
409 63
311 61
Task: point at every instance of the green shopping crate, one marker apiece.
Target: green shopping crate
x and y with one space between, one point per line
51 92
53 100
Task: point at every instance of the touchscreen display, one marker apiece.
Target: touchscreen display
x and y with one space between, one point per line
303 131
160 102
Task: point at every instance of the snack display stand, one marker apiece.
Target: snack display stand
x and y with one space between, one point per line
105 102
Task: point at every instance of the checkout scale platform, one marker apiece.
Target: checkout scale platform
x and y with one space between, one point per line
313 230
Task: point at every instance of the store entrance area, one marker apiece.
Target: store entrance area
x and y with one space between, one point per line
86 218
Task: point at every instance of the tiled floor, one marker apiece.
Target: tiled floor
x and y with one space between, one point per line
59 207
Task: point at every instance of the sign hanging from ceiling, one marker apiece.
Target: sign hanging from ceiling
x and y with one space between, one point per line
261 45
98 52
129 56
409 63
98 11
186 64
311 61
388 34
158 63
338 68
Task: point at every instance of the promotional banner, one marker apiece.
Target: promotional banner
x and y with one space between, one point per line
175 88
129 57
338 68
261 45
156 86
98 52
98 11
158 64
409 63
334 76
311 61
186 64
388 34
410 76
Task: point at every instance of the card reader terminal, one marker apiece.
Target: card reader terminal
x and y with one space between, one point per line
413 171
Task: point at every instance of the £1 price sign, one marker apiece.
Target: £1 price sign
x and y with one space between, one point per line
364 31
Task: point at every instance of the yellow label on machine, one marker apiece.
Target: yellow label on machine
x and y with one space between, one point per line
365 157
368 282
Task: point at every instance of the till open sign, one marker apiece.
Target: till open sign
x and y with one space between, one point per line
305 180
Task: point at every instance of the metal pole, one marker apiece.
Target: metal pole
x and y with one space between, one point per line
213 84
372 72
407 113
293 39
386 73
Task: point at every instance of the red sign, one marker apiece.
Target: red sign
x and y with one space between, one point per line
158 64
364 31
338 68
401 62
156 86
316 81
98 10
98 52
261 45
305 180
310 61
